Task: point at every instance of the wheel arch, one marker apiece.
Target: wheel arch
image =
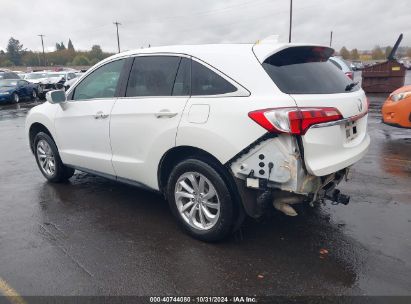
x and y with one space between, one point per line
177 154
34 129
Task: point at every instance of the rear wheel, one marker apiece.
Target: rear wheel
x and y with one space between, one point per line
34 95
48 159
201 201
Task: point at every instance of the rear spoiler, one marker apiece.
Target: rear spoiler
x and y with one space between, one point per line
264 50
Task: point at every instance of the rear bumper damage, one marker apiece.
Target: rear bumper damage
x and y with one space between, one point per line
272 172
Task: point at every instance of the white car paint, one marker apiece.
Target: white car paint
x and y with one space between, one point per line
131 142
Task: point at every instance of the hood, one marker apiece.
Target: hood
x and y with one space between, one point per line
7 88
402 90
47 80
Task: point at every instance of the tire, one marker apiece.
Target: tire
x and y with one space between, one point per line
218 211
15 98
48 159
34 95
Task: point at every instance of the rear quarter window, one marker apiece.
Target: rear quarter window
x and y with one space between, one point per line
306 70
206 82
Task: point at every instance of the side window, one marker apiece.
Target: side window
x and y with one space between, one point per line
152 76
21 83
182 85
13 76
206 82
102 83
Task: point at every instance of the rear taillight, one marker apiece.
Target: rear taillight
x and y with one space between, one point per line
350 75
293 120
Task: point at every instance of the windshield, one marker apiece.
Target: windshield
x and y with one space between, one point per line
43 75
36 76
306 70
8 83
57 75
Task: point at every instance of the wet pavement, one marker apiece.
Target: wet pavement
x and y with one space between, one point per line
92 236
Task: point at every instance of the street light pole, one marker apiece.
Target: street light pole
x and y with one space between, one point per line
42 44
291 20
118 37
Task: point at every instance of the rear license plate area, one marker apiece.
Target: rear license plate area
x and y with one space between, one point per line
351 130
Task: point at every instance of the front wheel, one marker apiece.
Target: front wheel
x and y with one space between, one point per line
48 159
201 201
15 98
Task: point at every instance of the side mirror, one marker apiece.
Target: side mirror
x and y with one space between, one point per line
56 96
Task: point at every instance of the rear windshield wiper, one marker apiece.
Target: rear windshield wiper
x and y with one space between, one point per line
351 86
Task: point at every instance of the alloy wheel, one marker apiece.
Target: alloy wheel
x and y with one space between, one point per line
16 98
46 158
197 200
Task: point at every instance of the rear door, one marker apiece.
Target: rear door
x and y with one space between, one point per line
305 73
144 121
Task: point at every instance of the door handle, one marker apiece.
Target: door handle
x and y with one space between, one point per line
165 113
100 115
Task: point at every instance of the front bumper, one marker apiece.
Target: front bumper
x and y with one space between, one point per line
5 98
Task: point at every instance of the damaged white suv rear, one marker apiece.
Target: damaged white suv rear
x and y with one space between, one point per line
220 130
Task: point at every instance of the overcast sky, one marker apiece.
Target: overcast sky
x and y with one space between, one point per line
356 23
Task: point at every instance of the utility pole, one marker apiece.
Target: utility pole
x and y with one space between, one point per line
291 20
118 37
42 44
331 38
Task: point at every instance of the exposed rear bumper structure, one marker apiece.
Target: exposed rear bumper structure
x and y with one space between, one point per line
272 172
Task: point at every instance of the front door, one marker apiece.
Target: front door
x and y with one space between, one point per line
144 123
82 123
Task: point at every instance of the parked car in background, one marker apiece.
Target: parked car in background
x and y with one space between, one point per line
357 65
406 62
14 90
343 66
6 74
21 75
396 110
66 76
217 129
46 81
72 81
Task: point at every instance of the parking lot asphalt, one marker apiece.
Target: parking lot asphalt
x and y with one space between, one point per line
92 236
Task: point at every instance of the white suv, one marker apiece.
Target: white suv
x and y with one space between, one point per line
220 130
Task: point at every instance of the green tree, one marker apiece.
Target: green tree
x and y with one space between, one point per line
6 63
81 60
31 59
60 46
377 53
388 50
14 51
94 61
354 54
96 53
70 46
344 53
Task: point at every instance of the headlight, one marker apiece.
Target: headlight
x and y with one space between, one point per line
400 96
4 93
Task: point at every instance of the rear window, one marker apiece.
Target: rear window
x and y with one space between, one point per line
306 70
